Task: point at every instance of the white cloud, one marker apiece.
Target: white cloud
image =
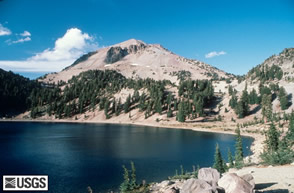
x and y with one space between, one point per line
214 54
25 34
4 31
67 49
21 40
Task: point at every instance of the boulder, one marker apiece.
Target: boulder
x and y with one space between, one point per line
172 190
209 175
232 183
165 183
196 186
249 178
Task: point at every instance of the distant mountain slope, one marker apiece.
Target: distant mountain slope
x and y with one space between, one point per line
136 59
276 67
14 93
276 71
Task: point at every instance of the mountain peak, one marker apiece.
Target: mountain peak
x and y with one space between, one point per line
137 59
128 43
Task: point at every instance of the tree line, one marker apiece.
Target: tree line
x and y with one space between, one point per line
95 90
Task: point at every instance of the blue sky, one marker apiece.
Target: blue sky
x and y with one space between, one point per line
41 36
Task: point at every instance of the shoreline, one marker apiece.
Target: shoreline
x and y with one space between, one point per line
256 147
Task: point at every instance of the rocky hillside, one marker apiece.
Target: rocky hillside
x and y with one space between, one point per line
136 59
277 67
274 74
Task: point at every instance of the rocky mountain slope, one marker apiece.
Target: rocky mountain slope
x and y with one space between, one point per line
136 59
276 70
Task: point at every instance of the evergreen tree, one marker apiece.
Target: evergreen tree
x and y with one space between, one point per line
277 151
113 106
218 160
127 104
230 159
169 112
266 104
233 101
239 150
106 109
272 138
181 117
253 97
158 106
290 132
242 106
125 186
136 96
283 97
231 91
118 108
142 105
133 182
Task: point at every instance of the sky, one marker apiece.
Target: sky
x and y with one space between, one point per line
37 37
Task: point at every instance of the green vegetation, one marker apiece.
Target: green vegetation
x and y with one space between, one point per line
238 150
218 160
283 97
266 104
129 185
182 75
278 149
14 93
230 159
265 73
184 174
95 90
242 108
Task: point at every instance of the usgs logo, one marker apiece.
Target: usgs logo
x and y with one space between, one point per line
25 183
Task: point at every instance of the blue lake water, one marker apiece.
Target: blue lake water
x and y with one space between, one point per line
79 155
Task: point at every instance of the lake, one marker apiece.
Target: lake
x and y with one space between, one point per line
79 155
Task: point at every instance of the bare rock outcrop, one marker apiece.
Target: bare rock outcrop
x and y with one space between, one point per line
115 54
232 183
135 48
210 175
196 186
249 178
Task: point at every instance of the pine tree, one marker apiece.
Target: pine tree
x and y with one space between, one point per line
239 150
218 160
266 103
125 186
230 90
113 108
230 159
133 182
290 132
283 97
118 108
106 108
169 112
253 97
158 106
142 105
233 101
127 104
272 138
242 106
181 117
136 96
